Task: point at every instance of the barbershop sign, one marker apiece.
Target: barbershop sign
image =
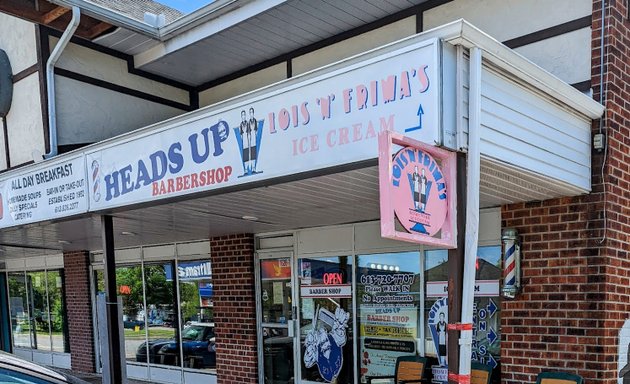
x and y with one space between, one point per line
321 121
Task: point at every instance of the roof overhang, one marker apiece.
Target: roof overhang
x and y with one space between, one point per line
348 192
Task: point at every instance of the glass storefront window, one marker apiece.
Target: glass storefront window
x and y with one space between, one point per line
486 310
20 313
388 295
196 306
58 326
326 319
130 288
40 316
160 316
37 310
152 333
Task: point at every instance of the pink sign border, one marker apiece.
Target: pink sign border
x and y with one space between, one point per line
386 141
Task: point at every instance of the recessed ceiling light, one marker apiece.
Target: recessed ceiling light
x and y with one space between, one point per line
64 242
127 233
250 218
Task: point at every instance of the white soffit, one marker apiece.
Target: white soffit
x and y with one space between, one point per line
338 198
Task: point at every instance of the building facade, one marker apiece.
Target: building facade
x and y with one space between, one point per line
235 150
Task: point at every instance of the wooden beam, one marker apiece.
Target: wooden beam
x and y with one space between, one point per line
54 15
95 30
21 9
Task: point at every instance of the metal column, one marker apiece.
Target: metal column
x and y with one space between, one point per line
113 347
456 267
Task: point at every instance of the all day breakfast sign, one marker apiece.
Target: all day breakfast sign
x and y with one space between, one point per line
322 119
54 189
319 122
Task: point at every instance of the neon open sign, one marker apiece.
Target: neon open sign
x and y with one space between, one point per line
333 278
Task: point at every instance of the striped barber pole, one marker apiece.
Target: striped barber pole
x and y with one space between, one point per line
510 263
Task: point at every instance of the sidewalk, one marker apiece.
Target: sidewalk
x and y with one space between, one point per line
94 378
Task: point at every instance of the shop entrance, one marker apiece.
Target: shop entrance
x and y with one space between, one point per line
325 317
306 318
277 321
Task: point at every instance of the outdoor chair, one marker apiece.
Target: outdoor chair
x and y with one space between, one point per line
409 369
558 378
480 373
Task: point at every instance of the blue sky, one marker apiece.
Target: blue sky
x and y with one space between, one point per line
185 6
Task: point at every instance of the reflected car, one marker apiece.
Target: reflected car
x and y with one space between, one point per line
16 370
199 348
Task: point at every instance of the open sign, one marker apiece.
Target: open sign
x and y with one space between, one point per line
333 278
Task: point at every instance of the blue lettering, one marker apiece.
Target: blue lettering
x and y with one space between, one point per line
125 178
158 164
220 132
111 184
197 158
143 178
396 172
176 158
402 160
412 155
437 175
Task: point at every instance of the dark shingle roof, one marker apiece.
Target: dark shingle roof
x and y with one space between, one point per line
136 8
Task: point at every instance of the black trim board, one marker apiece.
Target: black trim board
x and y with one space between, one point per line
122 56
25 73
43 52
547 33
5 131
121 89
405 13
582 86
418 11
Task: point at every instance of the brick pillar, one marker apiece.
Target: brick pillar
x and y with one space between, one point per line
234 308
79 308
575 260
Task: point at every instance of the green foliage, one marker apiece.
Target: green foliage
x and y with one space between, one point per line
189 294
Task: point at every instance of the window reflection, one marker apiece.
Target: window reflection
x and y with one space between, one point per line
58 326
130 289
20 314
39 304
196 306
37 310
151 333
160 316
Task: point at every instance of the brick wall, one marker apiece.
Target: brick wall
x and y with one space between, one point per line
79 305
575 265
234 308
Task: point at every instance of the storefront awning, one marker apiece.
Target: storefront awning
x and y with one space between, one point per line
310 142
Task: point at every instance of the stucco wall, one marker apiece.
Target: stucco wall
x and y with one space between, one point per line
24 121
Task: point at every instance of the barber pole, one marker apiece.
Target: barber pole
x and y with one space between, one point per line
511 269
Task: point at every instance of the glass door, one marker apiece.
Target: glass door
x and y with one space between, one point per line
325 314
277 317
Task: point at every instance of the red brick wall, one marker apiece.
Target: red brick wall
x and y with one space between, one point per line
576 293
234 308
79 305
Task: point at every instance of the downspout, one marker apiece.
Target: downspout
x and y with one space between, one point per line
50 80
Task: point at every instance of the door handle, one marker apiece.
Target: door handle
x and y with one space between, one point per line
291 328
